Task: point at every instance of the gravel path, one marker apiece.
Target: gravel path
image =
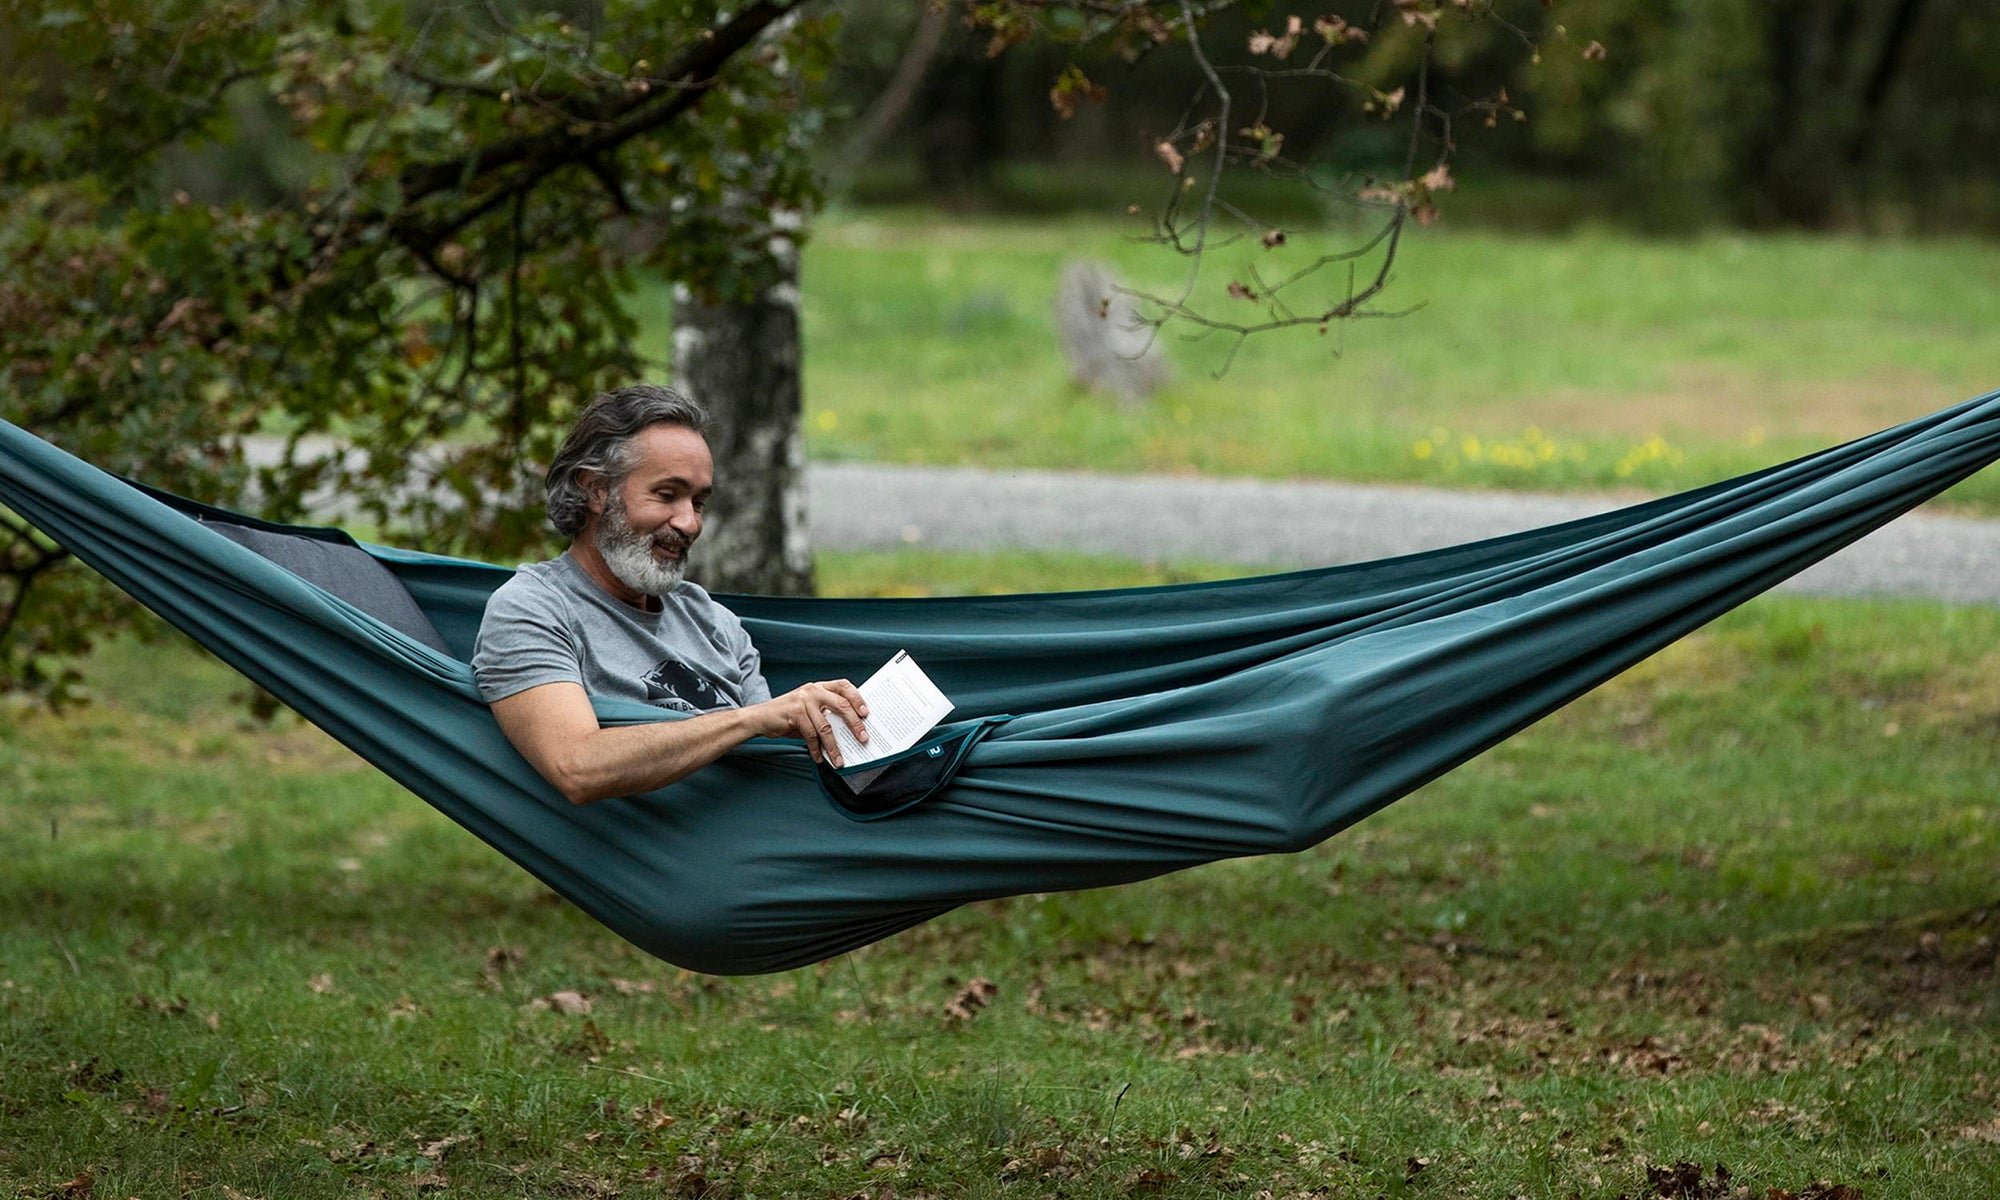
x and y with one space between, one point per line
1284 525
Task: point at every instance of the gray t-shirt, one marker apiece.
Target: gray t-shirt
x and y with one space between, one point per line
552 623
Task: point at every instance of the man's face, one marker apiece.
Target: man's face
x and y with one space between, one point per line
646 524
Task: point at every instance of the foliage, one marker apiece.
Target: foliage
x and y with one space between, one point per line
1793 112
1736 908
1260 98
406 236
434 265
1817 113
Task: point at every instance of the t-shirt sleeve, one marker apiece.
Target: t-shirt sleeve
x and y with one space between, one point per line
750 665
524 641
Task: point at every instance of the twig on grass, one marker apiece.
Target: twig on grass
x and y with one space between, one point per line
627 1071
63 946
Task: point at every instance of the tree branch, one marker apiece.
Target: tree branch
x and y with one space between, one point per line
624 115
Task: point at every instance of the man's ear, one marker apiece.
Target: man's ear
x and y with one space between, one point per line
594 488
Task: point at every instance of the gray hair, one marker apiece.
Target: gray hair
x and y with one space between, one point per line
601 441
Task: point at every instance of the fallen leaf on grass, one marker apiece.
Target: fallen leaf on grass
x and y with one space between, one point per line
320 984
970 999
1686 1181
570 1003
78 1188
91 1076
1989 1132
590 1043
499 961
435 1150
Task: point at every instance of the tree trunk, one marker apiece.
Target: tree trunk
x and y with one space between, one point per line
741 361
887 111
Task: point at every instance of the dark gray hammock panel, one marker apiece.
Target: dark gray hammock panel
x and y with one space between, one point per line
1152 729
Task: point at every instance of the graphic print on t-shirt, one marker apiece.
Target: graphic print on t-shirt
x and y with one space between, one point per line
683 688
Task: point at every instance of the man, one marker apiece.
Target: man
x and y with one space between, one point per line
613 617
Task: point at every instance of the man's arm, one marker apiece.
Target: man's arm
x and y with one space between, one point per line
555 729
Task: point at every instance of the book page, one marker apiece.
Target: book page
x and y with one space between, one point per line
903 705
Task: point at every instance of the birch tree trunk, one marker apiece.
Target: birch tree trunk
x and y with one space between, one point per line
741 361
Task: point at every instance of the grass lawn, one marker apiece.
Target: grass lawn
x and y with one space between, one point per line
1593 360
1734 913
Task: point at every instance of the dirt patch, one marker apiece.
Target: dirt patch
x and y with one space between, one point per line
1941 964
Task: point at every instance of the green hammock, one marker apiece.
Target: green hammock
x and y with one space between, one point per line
1154 728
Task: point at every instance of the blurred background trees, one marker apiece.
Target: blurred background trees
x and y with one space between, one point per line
405 240
1854 114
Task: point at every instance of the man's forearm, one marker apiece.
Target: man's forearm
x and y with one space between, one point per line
626 760
555 730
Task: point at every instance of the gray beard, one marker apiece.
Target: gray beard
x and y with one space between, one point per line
629 554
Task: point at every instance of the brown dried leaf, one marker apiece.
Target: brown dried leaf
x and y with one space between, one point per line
1989 1132
974 996
320 984
1686 1181
1337 31
1276 45
1070 86
1418 12
1170 156
436 1149
567 1002
184 312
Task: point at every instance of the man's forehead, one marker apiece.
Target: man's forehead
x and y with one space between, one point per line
663 452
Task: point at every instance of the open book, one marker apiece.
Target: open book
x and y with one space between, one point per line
903 705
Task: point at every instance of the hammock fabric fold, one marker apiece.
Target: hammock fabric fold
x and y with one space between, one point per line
1153 728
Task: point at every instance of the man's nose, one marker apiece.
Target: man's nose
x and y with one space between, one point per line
685 520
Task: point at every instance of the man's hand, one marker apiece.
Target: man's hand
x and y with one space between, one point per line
808 713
